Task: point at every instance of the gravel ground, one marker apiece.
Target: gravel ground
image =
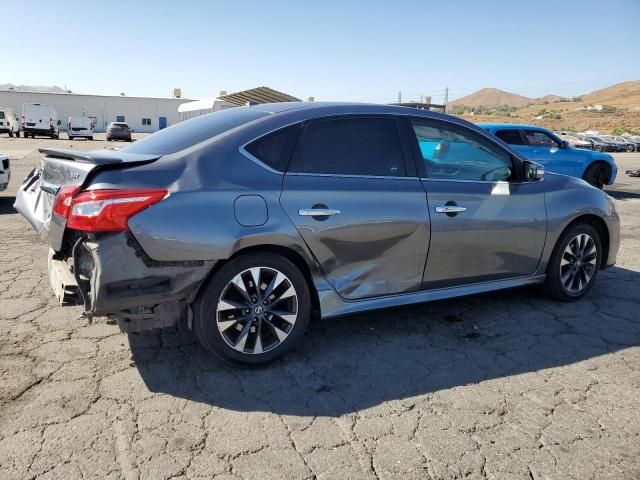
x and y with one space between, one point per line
508 385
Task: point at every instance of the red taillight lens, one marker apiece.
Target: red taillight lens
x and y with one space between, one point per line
110 210
62 202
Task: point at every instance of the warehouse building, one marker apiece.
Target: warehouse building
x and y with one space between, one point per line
143 114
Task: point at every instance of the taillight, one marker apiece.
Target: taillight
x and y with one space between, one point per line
62 203
110 210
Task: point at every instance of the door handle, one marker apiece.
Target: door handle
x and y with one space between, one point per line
317 212
450 209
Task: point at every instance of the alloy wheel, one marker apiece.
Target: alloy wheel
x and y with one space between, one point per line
257 310
578 263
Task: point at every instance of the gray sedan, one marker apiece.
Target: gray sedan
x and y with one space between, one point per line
249 223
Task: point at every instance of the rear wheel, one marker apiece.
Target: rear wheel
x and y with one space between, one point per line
574 263
10 134
596 175
18 134
630 148
254 309
70 137
91 137
597 148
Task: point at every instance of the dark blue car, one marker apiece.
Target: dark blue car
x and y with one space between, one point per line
542 146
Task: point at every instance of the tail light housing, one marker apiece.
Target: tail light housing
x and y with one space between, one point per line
104 210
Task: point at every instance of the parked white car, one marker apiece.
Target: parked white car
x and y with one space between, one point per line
39 119
80 127
574 141
9 122
5 172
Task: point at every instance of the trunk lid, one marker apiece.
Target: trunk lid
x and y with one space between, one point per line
62 168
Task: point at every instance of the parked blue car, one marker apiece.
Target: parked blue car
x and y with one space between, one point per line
542 146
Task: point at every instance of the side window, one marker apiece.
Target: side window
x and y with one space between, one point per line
512 136
536 138
350 146
451 152
274 149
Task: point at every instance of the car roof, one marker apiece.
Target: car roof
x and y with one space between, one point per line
510 126
310 110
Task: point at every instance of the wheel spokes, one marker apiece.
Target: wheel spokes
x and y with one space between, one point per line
578 263
257 310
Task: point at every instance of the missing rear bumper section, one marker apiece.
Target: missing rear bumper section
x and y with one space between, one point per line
135 291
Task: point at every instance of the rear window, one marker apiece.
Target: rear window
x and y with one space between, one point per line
512 137
119 125
191 132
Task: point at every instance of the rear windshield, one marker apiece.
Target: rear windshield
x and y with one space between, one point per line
1 115
119 125
191 132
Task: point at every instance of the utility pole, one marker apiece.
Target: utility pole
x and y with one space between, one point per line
446 98
400 97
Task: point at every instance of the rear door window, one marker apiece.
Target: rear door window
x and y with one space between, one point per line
191 132
274 149
510 136
350 146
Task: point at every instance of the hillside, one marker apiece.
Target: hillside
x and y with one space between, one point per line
491 97
621 109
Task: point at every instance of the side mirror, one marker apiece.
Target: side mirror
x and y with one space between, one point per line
533 172
564 144
59 122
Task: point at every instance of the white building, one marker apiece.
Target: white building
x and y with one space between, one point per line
143 114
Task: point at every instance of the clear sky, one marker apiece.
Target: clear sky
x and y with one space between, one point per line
333 50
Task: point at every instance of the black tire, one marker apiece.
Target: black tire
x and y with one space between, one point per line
259 325
10 134
597 148
18 134
596 175
91 137
630 148
70 138
108 139
554 285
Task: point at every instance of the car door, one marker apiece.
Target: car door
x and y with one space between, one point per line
363 218
543 148
486 224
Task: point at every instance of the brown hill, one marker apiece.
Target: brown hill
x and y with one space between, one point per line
622 95
491 97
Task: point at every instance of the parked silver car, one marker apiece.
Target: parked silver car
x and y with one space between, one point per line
251 221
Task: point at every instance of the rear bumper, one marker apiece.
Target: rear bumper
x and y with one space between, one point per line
39 131
115 278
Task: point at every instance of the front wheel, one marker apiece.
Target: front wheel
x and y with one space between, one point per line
574 263
18 134
254 309
596 175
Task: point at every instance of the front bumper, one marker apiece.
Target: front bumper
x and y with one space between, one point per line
115 278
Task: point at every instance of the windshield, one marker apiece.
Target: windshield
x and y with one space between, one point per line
191 132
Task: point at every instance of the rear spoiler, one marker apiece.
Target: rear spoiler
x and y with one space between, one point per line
98 157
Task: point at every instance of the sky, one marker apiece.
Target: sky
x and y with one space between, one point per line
331 50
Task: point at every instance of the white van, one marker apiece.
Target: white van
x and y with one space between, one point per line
8 122
80 127
39 119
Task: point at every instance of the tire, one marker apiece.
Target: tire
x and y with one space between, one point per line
595 175
10 134
573 253
70 138
91 137
232 333
18 134
108 139
630 148
597 148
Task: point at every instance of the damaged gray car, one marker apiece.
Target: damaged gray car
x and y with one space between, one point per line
249 222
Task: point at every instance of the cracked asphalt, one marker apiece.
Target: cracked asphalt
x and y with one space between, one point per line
509 385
